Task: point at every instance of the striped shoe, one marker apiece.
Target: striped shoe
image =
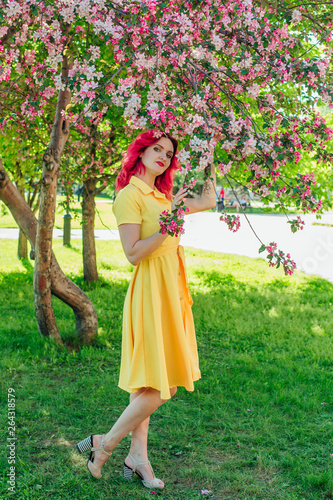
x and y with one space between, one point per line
128 474
87 445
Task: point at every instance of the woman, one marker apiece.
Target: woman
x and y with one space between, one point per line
159 350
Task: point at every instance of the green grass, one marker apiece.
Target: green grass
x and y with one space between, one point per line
254 428
104 216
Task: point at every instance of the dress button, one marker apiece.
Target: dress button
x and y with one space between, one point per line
181 298
180 274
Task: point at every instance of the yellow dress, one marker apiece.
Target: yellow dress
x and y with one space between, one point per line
159 348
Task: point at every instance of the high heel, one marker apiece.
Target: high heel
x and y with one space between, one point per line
87 445
128 474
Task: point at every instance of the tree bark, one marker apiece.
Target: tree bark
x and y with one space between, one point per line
90 272
22 247
43 248
61 286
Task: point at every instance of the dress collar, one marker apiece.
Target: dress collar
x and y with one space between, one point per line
145 188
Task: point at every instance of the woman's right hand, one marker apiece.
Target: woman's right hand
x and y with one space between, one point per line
179 197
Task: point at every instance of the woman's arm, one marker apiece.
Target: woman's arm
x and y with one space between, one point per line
208 197
136 249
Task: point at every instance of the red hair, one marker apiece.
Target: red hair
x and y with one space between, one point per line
132 163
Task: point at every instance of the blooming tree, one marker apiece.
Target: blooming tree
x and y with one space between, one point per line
22 158
252 73
95 157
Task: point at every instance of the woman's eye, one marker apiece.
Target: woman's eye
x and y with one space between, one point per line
157 149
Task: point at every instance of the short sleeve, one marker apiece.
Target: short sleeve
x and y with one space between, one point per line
127 207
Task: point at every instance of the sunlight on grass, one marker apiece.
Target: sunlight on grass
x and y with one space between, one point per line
258 425
104 215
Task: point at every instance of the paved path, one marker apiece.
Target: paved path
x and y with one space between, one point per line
312 248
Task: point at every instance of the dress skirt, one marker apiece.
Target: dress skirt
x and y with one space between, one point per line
159 348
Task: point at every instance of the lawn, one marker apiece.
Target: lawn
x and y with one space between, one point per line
259 424
104 216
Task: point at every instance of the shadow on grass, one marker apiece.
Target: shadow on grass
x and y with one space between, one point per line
253 425
222 303
18 325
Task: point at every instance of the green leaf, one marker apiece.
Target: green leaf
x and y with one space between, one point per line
262 248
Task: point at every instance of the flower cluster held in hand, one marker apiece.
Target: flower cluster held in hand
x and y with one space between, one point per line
172 223
232 221
277 258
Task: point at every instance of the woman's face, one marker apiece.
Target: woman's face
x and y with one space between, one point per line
157 158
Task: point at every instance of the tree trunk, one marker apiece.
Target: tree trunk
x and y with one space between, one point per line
61 286
22 247
43 248
90 273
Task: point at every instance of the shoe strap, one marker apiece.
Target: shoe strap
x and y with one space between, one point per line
101 448
136 463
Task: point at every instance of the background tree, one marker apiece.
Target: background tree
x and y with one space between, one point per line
61 286
22 160
241 69
96 155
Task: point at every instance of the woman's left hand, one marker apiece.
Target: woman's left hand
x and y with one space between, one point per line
179 197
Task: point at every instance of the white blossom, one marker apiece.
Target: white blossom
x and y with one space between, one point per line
59 85
296 17
249 146
253 91
198 145
229 145
183 156
218 41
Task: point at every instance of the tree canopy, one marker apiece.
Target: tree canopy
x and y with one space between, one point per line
254 73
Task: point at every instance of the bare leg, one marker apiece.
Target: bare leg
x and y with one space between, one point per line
139 443
139 410
139 439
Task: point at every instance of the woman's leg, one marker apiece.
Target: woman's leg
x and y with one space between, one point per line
140 408
139 442
139 439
